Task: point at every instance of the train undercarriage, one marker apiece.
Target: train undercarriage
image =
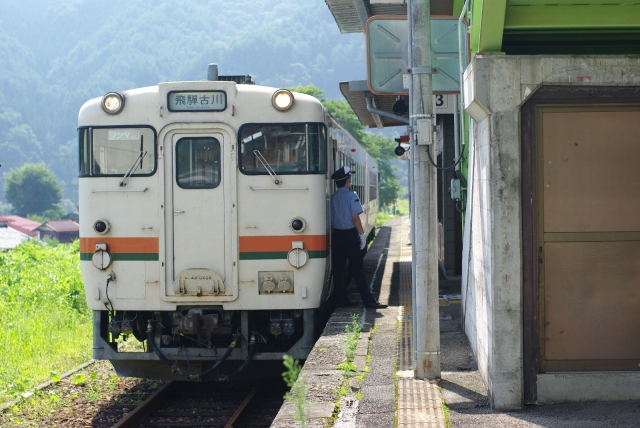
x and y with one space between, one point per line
203 344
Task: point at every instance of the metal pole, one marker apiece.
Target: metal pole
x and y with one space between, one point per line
412 199
426 314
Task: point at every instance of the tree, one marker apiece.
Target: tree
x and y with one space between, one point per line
309 90
379 147
33 189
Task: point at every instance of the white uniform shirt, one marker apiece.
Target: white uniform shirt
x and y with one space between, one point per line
344 204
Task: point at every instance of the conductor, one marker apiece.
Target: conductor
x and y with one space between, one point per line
348 241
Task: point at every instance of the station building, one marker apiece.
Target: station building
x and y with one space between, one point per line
548 243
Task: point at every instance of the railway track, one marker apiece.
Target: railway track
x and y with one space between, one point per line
188 404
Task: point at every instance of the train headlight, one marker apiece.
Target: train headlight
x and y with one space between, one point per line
282 100
298 224
113 103
101 226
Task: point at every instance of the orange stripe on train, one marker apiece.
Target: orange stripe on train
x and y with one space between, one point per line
250 244
121 245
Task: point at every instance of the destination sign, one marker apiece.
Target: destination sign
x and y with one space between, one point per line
197 101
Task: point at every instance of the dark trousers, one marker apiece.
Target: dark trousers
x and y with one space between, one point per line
345 245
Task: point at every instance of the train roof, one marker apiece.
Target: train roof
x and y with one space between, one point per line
243 103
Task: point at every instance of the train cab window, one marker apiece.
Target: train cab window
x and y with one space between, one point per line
117 151
284 148
198 163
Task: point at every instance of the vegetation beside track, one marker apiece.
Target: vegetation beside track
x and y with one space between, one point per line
45 321
92 397
386 212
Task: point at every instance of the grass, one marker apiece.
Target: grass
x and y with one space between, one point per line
386 212
353 331
45 322
78 400
347 367
445 410
298 393
43 403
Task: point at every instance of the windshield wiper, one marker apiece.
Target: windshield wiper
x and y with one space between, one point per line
266 165
133 168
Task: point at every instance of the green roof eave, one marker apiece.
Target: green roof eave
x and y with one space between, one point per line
572 17
487 36
457 7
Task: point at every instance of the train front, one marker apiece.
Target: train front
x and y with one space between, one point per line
203 227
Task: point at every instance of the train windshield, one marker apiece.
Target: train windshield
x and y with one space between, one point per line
284 148
198 163
117 151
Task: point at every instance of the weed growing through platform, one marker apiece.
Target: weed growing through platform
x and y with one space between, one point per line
445 410
347 366
353 335
298 393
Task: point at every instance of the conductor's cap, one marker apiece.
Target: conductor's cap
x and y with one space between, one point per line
341 174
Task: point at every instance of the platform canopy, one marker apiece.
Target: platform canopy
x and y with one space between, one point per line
511 27
352 15
356 94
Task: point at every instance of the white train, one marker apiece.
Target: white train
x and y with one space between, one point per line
205 223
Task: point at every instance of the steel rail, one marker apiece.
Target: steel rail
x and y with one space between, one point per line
146 408
244 404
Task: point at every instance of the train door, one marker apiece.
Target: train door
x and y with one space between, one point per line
201 217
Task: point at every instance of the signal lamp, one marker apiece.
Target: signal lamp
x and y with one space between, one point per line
298 224
101 226
282 100
113 103
399 151
399 107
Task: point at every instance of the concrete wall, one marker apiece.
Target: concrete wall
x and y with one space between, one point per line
494 89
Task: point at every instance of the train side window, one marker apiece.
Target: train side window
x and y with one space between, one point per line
85 152
298 148
117 151
373 186
198 163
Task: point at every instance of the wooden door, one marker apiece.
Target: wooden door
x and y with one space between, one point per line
588 235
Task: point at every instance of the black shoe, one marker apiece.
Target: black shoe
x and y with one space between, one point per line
347 304
375 305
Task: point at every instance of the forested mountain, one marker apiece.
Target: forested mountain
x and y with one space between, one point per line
56 54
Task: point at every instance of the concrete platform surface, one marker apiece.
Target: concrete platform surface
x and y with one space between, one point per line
380 389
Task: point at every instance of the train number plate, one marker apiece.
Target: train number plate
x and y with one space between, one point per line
199 282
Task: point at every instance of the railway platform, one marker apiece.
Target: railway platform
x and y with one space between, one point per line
382 391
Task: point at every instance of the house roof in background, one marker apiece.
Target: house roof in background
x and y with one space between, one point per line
21 224
60 226
11 238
